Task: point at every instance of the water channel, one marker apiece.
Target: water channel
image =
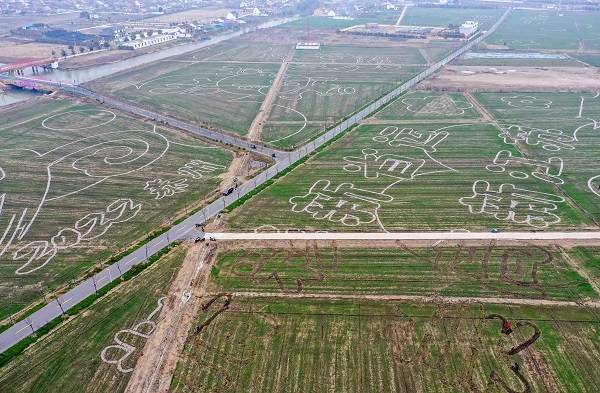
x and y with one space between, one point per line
87 74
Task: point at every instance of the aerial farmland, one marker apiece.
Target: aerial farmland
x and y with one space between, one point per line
303 196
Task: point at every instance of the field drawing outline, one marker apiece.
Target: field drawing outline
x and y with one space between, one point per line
121 345
98 157
436 105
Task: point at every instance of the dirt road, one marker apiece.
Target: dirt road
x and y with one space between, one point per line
551 237
399 21
486 116
155 367
265 108
417 298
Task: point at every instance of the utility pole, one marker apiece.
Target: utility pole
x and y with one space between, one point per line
60 306
29 323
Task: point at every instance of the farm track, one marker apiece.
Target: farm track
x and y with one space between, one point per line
486 115
419 299
550 237
425 56
264 112
399 21
155 367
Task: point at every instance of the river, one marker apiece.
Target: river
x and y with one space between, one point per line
90 73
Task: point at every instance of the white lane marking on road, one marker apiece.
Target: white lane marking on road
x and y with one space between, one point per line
23 328
99 280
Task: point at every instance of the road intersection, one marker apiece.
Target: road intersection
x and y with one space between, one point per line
189 228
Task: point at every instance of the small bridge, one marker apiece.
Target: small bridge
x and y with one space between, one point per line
28 83
35 64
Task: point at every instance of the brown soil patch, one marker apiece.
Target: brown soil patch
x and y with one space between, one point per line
510 79
155 367
487 116
265 109
258 244
461 300
12 51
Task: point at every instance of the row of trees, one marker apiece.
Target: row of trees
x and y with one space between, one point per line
148 33
81 49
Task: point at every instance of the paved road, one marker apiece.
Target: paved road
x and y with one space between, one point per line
145 113
216 136
550 236
187 228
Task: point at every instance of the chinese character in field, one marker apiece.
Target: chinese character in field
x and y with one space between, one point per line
198 168
345 203
413 156
509 203
521 168
373 165
551 140
426 141
165 188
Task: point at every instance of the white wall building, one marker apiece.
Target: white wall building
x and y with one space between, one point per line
148 41
469 28
308 46
166 34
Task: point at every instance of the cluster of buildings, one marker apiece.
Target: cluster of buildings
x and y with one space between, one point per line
466 30
98 7
142 34
142 38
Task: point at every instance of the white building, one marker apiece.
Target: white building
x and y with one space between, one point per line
308 46
167 34
468 28
176 31
149 41
331 14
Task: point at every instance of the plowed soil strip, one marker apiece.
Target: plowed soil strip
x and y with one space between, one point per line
420 299
484 112
265 109
155 367
550 236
